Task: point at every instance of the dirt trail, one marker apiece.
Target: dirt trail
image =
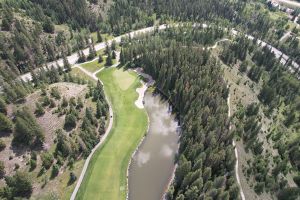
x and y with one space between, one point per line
236 156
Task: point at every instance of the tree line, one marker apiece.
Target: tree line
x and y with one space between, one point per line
192 79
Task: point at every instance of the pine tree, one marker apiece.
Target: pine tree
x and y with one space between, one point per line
66 63
109 61
100 59
113 45
99 109
39 110
99 37
122 59
113 55
5 123
3 105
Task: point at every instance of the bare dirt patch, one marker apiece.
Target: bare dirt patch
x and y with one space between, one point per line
49 123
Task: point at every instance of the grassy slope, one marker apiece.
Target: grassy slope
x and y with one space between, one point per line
106 175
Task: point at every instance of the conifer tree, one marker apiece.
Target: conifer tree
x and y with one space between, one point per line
66 63
3 108
39 110
109 61
99 37
6 124
100 59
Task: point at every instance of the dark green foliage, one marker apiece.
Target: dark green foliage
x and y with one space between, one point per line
99 37
47 160
70 121
289 193
100 59
27 130
81 57
92 52
259 187
113 55
297 180
243 67
2 145
3 108
46 101
55 171
64 103
267 94
109 61
5 124
18 185
79 103
48 26
66 63
2 169
73 178
55 93
32 164
192 80
39 110
62 148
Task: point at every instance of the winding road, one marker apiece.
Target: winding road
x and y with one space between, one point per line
292 3
74 57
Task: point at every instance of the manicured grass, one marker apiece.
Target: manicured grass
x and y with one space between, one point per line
123 78
78 73
106 176
94 66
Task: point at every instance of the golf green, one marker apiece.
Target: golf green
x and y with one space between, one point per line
106 175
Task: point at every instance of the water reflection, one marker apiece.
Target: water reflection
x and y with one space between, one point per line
153 163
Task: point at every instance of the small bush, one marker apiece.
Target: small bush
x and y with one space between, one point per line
2 145
47 159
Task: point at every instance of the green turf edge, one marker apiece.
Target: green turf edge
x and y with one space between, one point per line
125 161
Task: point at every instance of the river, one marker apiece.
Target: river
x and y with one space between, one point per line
152 165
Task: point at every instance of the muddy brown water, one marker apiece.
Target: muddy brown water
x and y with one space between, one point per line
152 165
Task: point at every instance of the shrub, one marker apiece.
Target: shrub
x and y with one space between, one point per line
259 187
32 164
55 93
2 169
3 107
52 103
19 185
2 145
5 124
55 171
289 193
70 121
47 159
64 102
27 130
297 180
72 178
39 110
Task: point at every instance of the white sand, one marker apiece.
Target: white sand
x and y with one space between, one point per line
141 91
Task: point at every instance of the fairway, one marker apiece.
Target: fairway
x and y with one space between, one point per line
106 175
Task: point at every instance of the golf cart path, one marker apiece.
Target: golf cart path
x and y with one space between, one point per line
87 161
